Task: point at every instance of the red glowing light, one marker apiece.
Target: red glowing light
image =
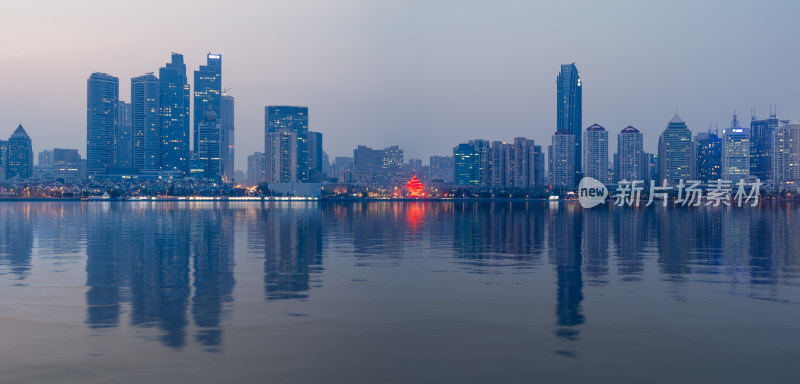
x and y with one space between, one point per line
415 187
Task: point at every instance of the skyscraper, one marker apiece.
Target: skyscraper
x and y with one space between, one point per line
255 168
709 156
146 123
569 107
441 168
228 137
675 153
761 136
562 160
631 160
466 165
124 136
782 155
102 91
294 119
19 155
209 145
484 161
314 156
735 152
207 91
595 153
174 98
282 149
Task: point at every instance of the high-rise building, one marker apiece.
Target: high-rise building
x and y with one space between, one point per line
146 123
735 152
209 145
538 166
675 153
255 168
781 155
282 156
314 157
484 162
342 169
794 152
595 153
46 158
631 160
207 91
295 119
3 160
761 146
228 137
442 168
124 135
19 155
174 100
501 160
709 156
466 165
569 107
102 92
562 160
380 167
67 165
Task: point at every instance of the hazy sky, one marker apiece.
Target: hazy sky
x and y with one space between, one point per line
425 75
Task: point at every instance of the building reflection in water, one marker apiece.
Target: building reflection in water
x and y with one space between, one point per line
169 269
153 257
290 237
16 239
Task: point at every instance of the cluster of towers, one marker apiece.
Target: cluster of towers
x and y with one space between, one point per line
769 150
151 134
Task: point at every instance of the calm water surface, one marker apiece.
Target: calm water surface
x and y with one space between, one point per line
397 292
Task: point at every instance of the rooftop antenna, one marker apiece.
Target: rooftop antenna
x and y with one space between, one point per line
773 114
753 113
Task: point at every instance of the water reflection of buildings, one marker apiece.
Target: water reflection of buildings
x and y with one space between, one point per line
565 243
290 236
16 239
144 255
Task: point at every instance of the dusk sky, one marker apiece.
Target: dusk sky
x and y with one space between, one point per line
425 75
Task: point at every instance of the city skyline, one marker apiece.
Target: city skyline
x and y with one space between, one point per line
388 61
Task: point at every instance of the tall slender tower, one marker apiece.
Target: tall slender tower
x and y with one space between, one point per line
569 107
174 95
228 130
207 90
146 124
102 94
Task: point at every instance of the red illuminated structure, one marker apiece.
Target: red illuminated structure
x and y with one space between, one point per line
415 187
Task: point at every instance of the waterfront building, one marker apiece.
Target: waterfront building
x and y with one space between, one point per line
675 152
630 162
102 92
19 155
595 153
282 156
761 146
207 91
466 165
174 99
256 174
67 165
708 146
735 152
146 123
441 168
123 143
228 136
315 163
379 167
209 146
295 119
562 160
569 107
